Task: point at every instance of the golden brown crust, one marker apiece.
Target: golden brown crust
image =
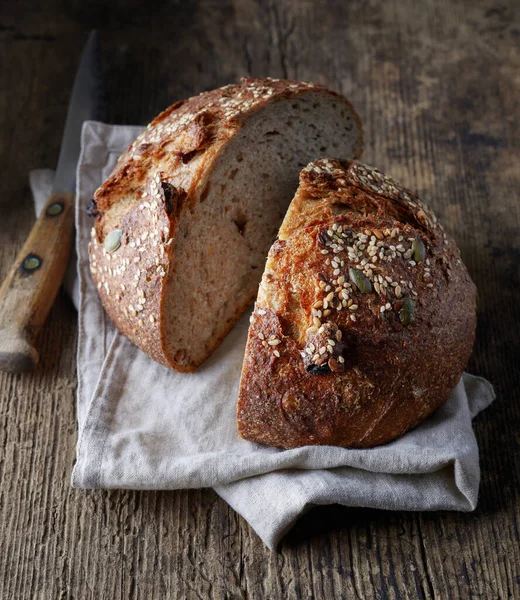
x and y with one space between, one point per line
175 153
406 327
130 278
173 139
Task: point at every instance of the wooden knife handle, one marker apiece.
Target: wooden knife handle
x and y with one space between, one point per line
28 292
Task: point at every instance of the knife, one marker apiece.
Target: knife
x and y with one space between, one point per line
31 286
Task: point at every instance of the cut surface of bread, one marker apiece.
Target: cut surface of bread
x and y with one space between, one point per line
365 316
222 246
198 200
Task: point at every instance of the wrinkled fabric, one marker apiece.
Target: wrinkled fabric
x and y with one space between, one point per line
143 426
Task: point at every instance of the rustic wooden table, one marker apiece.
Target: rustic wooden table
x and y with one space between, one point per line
437 84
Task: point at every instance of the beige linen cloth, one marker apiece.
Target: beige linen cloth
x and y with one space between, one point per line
142 426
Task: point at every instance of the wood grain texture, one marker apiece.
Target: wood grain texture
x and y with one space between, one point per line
437 85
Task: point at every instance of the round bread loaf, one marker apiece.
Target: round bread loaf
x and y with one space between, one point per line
185 221
365 316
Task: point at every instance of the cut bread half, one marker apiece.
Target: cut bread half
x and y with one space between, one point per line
195 204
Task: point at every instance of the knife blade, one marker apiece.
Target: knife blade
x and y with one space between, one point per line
85 104
31 286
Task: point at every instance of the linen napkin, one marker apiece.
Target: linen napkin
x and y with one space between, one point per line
143 426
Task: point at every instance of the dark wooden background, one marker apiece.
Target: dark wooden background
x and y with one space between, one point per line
437 84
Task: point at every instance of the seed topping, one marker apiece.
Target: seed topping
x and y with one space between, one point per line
361 281
419 250
112 240
407 312
323 351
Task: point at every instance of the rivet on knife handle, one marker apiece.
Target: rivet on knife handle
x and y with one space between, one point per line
28 292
